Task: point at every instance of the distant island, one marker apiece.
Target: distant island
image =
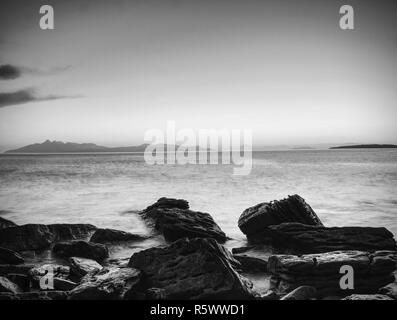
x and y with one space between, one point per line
367 146
71 147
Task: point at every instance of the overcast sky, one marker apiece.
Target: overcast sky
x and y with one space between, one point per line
112 69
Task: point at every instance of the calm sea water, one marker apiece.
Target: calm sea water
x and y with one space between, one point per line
344 187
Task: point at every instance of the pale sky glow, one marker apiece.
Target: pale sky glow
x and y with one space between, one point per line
283 69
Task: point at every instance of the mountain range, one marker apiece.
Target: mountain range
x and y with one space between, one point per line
70 147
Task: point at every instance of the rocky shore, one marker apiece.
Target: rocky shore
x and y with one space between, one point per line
290 255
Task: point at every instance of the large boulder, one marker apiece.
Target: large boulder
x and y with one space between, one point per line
4 223
107 284
83 249
8 286
192 269
255 220
314 239
322 271
111 235
81 266
9 257
40 236
174 220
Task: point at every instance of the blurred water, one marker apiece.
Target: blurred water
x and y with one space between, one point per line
344 187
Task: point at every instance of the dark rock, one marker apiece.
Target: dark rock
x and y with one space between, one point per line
315 239
82 266
66 231
21 280
8 286
58 271
322 271
4 223
367 297
389 290
155 294
253 259
10 257
43 295
63 284
169 203
8 296
6 269
110 235
40 236
174 220
254 221
107 284
301 293
83 249
192 269
268 295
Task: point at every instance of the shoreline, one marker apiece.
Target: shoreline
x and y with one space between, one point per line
272 231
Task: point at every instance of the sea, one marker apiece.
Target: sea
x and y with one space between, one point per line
344 187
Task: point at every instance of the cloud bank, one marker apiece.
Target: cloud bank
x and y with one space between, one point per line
26 96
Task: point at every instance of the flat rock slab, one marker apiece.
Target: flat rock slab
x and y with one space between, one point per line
314 239
8 256
255 220
367 297
40 236
174 220
111 235
81 266
322 271
83 249
8 286
107 284
192 269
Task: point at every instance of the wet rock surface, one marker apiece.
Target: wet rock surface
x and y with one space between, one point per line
83 249
174 220
111 235
255 220
192 269
40 236
81 266
107 284
301 293
367 297
322 271
313 239
390 290
252 258
10 257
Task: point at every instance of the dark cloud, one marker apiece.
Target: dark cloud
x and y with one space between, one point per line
25 96
9 72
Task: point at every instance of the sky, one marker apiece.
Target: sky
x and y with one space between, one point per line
111 70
